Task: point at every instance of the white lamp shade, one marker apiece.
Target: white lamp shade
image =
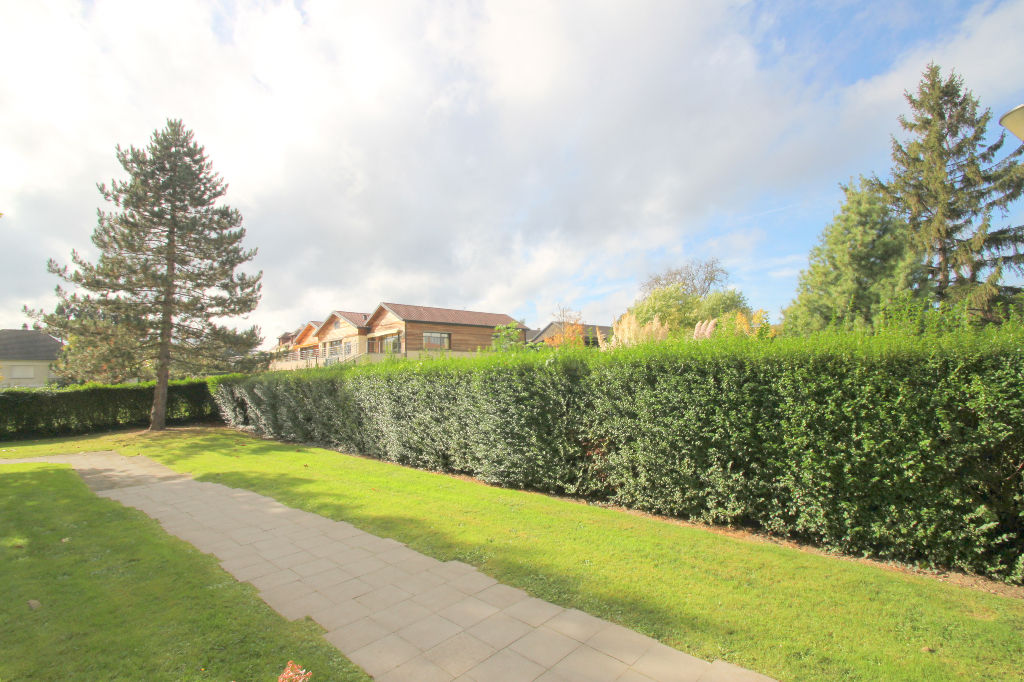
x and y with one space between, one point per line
1013 120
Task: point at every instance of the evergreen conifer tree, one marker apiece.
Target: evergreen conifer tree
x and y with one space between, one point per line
949 187
166 269
862 259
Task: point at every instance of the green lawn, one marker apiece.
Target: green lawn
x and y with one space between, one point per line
791 614
122 600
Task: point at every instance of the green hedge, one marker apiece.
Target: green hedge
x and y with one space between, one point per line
26 412
909 449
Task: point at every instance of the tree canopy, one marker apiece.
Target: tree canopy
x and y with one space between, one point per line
950 188
862 259
166 273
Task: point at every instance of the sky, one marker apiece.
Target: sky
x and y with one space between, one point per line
511 156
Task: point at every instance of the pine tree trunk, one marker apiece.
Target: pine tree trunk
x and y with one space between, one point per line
158 415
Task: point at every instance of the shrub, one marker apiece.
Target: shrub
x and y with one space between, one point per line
909 448
28 412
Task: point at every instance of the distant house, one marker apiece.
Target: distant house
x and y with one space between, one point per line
26 357
392 329
590 331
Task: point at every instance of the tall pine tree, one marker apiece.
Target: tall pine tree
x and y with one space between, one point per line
862 259
949 187
166 270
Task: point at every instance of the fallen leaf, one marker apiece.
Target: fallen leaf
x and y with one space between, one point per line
33 604
64 539
927 650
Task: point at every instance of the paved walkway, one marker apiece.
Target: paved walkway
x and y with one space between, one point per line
395 612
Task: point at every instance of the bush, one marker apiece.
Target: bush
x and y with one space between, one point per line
28 412
901 447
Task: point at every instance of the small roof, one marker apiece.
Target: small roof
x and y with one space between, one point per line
552 328
28 344
422 313
315 324
356 319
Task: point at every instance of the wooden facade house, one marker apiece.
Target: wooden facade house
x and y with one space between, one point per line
342 336
392 329
398 328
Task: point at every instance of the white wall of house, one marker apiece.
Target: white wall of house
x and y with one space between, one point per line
24 373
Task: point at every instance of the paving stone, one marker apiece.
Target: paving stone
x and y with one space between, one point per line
534 611
294 559
499 630
589 665
343 554
416 669
389 575
251 570
332 576
272 580
403 613
383 655
429 631
318 544
348 589
422 581
332 615
383 597
501 596
313 566
506 666
576 624
356 635
545 647
398 555
437 598
468 611
281 594
459 653
364 566
621 643
274 548
666 664
628 676
471 583
340 530
299 607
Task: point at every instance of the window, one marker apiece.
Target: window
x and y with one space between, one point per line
337 324
334 348
437 341
306 353
348 348
393 344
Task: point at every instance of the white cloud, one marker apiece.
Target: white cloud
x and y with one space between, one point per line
497 156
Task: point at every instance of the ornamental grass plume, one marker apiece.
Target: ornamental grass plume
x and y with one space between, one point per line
293 673
627 331
704 329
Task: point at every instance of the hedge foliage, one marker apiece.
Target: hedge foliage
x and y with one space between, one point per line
907 449
26 412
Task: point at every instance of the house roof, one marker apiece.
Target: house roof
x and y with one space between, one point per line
355 319
422 313
552 328
28 344
301 335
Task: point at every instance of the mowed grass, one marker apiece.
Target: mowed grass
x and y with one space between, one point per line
790 614
119 599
